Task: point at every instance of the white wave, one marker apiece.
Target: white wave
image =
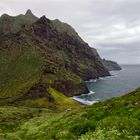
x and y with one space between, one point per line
95 80
115 75
107 77
90 93
86 102
101 78
92 80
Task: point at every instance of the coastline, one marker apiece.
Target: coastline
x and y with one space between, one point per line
87 102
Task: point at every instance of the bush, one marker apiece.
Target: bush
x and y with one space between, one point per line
121 123
82 127
111 134
12 136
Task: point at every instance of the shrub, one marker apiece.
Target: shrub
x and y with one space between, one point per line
111 134
121 123
82 127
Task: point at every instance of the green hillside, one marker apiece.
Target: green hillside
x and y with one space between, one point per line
22 82
20 68
37 55
114 119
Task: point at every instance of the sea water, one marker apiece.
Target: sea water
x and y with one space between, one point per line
120 83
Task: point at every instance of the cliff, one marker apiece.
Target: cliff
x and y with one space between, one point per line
39 55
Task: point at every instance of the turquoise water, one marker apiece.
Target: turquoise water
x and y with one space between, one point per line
120 83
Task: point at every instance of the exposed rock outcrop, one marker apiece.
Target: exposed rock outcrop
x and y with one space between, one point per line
69 88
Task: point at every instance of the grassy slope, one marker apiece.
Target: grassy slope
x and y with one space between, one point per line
60 103
19 70
114 119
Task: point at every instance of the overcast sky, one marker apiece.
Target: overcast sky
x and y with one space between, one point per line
110 26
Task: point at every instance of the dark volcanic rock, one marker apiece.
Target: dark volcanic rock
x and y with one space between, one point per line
69 88
35 92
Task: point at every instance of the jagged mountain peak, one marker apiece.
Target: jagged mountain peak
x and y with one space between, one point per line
43 20
29 12
29 15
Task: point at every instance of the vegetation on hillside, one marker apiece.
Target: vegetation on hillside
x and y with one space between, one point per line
37 55
19 69
114 119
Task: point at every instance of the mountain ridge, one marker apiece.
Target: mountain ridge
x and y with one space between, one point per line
12 24
45 57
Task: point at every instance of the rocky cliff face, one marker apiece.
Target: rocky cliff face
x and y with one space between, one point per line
67 51
111 65
43 53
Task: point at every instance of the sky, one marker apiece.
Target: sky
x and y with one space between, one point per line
110 26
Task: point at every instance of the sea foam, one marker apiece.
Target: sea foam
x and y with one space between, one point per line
84 101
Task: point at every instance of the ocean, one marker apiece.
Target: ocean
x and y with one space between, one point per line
120 83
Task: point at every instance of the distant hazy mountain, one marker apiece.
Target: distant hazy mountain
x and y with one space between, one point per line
111 65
